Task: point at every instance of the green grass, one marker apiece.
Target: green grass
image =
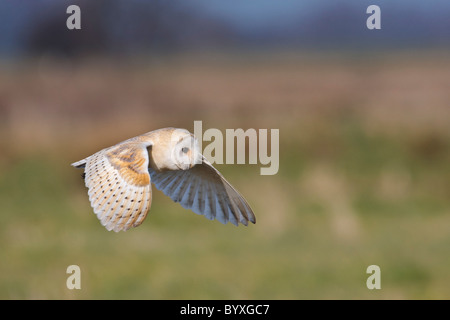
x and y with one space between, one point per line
317 231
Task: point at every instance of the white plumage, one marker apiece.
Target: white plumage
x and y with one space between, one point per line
119 180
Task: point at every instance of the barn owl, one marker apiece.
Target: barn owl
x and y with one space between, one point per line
119 180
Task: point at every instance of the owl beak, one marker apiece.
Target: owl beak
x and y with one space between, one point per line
192 158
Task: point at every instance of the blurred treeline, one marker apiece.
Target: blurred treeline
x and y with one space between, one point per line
133 28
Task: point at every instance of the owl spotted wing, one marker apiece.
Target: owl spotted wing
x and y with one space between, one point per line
205 191
119 185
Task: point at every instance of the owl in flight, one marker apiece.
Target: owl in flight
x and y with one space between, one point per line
119 180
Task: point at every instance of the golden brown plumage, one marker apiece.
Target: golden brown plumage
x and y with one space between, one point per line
119 179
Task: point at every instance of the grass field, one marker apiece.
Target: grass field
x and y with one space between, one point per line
364 178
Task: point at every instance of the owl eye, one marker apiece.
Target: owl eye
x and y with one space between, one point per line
185 149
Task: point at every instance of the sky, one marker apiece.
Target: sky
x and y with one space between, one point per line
293 21
259 12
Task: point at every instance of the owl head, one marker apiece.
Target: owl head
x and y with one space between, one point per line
184 150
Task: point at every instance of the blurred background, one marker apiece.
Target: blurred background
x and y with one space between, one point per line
364 120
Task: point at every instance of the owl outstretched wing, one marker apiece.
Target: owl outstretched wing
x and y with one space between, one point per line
119 185
205 191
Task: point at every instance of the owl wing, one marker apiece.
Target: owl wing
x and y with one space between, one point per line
119 185
205 191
